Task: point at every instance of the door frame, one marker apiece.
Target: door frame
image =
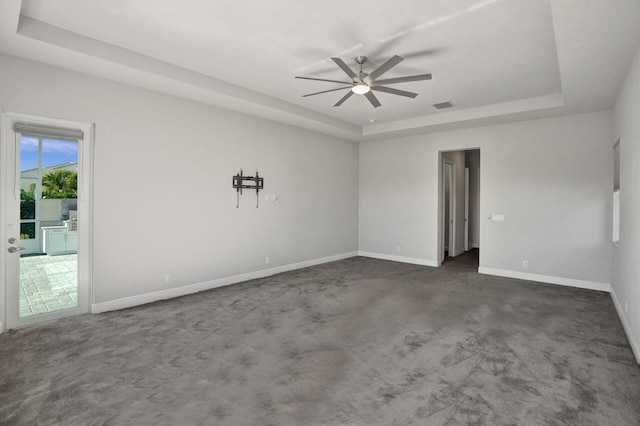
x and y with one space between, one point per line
466 209
452 206
8 144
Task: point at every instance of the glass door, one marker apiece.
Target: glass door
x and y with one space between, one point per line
48 197
42 222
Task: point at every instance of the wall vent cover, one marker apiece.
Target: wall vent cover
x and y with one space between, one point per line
443 105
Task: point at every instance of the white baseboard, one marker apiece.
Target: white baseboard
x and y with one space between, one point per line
474 245
569 282
141 299
625 324
403 259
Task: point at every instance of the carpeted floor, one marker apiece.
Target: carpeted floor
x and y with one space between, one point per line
355 342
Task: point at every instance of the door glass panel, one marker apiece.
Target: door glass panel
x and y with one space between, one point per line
48 225
28 231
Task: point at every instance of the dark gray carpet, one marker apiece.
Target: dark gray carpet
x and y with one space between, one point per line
354 342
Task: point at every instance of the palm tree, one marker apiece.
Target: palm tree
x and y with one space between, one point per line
60 184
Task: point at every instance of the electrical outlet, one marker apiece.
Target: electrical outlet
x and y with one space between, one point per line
266 260
167 278
397 249
525 263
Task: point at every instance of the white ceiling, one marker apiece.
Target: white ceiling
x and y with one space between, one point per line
496 60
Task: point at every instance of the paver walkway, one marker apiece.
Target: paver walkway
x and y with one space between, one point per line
48 284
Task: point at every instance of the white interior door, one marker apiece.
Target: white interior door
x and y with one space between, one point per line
466 209
37 286
452 210
447 200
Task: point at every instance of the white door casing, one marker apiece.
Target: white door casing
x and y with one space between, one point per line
10 219
466 209
452 210
448 166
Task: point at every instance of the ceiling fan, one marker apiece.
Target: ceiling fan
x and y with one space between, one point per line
362 83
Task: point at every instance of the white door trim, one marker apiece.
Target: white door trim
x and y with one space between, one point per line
466 209
444 162
452 212
85 217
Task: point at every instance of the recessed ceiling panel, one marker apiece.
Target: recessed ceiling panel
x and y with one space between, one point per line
480 52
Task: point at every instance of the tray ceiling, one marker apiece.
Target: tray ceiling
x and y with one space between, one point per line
495 60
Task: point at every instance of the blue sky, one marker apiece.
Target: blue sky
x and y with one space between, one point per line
53 152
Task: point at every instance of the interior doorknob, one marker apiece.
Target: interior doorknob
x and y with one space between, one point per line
14 249
12 240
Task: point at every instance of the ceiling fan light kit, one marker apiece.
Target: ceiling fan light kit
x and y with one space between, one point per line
360 89
363 83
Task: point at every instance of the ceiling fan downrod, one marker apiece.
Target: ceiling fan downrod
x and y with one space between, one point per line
361 60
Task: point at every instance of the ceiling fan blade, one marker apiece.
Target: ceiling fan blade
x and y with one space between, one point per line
326 91
404 79
395 60
372 98
324 79
344 98
394 91
339 62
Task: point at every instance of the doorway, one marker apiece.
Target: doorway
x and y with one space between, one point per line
459 224
46 219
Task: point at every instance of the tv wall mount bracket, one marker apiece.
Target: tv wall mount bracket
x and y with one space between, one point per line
241 182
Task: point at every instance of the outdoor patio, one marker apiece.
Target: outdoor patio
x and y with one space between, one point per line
47 284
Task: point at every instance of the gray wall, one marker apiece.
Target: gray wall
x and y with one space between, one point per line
163 201
551 179
626 268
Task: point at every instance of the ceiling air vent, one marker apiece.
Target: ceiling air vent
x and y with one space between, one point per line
443 105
